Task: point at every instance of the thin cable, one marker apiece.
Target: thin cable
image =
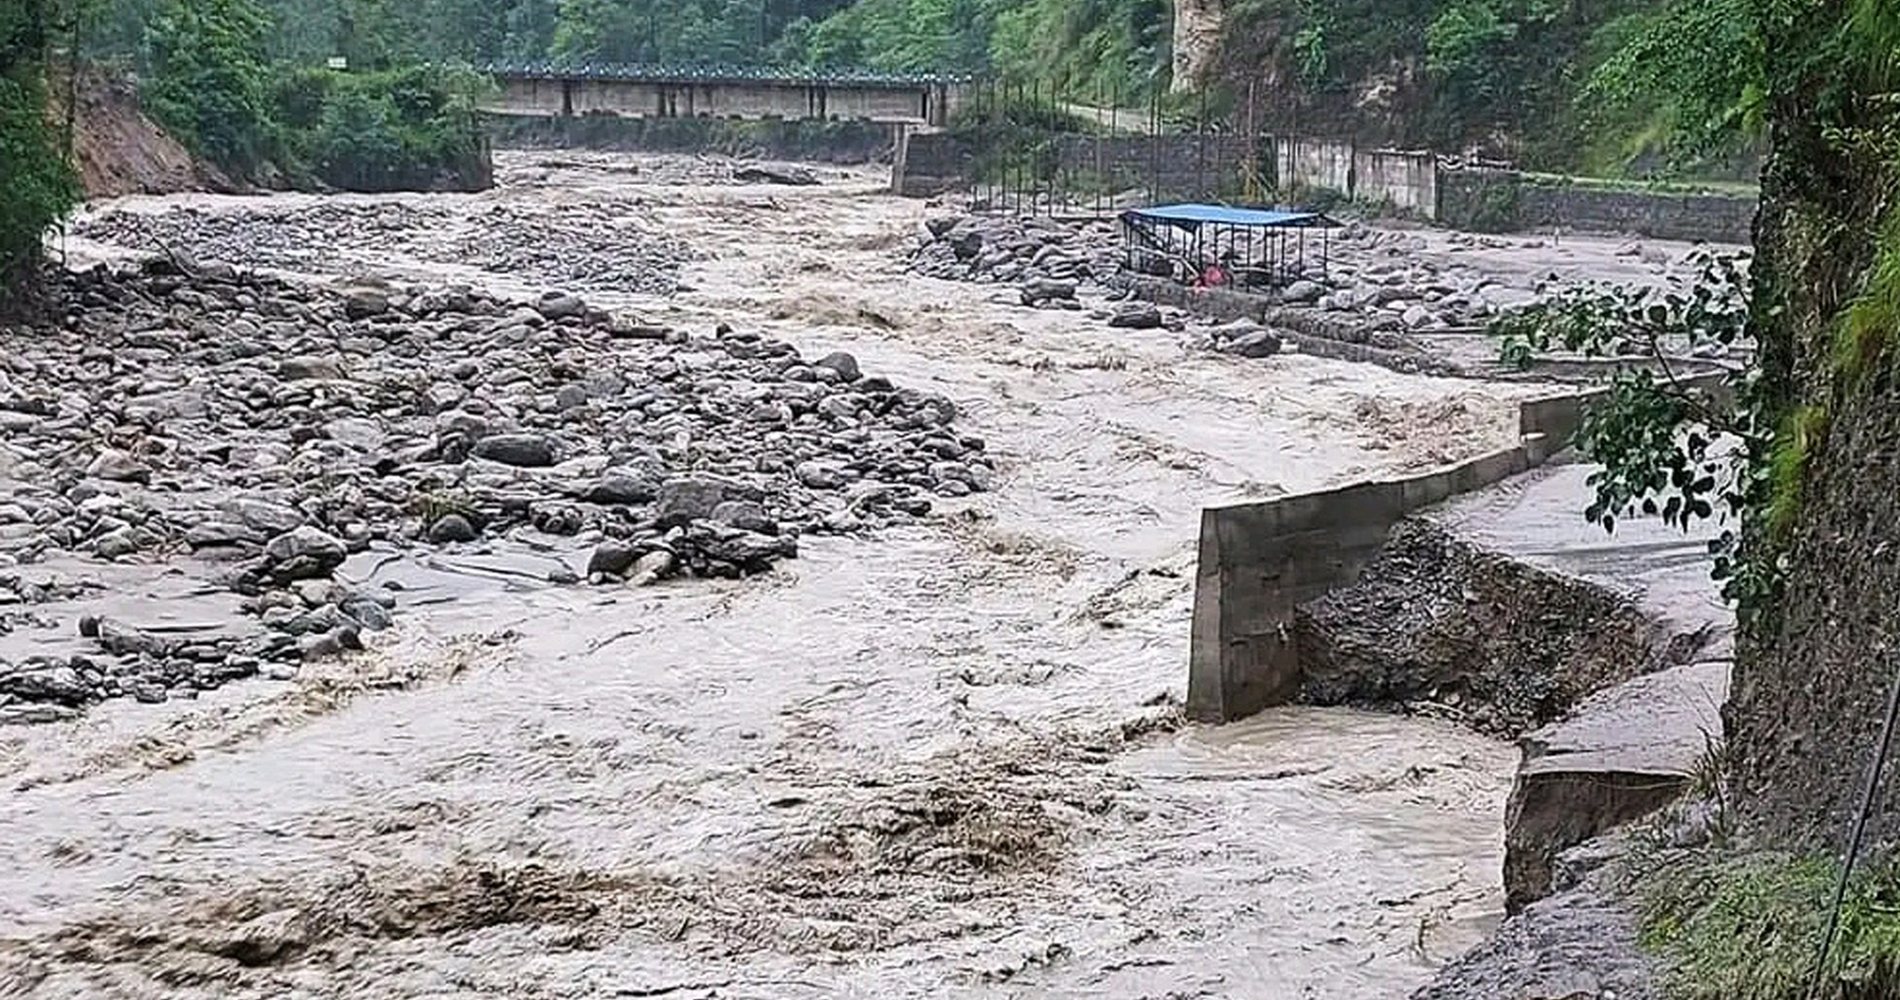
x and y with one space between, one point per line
1868 795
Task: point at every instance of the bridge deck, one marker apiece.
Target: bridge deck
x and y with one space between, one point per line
660 91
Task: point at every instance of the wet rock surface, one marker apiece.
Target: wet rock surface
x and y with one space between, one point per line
1411 301
1010 250
1624 753
277 429
1578 945
579 246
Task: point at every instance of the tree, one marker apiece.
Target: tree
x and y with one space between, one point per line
1699 63
37 185
209 82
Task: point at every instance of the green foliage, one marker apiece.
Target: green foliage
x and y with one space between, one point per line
37 185
1309 43
394 130
1699 62
1872 319
1667 448
1795 442
1467 47
209 82
1749 929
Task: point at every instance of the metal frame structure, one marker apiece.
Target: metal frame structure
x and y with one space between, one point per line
1257 247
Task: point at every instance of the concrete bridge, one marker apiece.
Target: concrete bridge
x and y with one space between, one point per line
636 91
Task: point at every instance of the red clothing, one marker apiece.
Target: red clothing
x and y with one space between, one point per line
1214 275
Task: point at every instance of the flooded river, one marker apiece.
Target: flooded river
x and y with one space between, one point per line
946 760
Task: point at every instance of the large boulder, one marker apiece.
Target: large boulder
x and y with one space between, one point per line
1136 316
693 497
522 450
1254 344
1042 290
841 364
624 485
1302 291
303 553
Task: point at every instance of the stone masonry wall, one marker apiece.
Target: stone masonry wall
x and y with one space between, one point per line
1501 201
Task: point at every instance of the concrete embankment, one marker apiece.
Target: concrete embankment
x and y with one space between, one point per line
1479 593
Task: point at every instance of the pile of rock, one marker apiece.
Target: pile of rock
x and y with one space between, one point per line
589 246
276 429
1011 250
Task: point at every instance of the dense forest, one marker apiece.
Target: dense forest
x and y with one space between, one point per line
1617 87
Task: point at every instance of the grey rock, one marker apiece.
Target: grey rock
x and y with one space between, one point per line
745 514
624 485
651 567
1256 344
685 499
570 396
363 303
841 363
819 475
774 174
1042 290
1302 291
750 551
303 367
118 466
1136 316
117 544
59 685
304 553
264 515
560 305
366 612
221 534
451 528
612 557
520 450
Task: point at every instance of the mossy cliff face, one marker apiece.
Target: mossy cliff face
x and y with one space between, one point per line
1814 666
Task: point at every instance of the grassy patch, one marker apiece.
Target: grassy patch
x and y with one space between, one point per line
1874 315
1750 928
1800 434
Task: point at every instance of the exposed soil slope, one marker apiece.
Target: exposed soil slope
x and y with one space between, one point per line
120 151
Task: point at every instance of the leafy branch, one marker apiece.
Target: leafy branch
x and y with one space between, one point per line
1673 446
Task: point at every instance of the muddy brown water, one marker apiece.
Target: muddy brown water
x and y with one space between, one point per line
946 760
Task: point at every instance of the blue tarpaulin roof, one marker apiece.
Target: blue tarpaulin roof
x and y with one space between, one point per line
1196 214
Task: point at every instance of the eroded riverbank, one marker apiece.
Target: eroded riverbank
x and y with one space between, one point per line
945 759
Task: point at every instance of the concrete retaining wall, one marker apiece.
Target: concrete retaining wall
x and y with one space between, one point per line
1259 562
1189 167
778 139
1176 167
1508 201
929 163
1313 165
1406 181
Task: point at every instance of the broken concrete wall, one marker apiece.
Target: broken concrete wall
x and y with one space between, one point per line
1259 562
1504 645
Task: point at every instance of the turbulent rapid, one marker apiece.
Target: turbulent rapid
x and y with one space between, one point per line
941 756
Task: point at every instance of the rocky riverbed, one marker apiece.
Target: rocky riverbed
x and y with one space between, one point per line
1428 293
277 428
943 755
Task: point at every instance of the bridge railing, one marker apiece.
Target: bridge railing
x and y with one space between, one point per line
713 72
